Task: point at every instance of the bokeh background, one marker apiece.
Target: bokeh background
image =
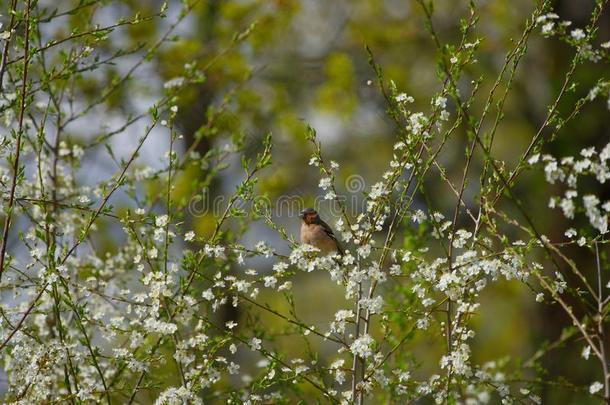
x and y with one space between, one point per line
309 66
304 63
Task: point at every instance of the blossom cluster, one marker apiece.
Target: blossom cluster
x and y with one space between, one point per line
112 292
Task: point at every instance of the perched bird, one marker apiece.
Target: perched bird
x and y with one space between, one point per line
317 233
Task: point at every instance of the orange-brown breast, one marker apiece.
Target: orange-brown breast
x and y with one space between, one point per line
314 234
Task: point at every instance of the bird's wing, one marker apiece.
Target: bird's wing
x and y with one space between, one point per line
328 230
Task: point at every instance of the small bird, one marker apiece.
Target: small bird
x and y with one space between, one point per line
317 233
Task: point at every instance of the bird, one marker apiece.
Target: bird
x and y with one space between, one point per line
317 233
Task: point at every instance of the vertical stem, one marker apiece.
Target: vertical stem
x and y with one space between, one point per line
50 216
361 378
24 85
166 246
357 334
600 329
448 326
7 43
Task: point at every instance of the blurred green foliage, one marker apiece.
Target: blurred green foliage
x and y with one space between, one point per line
304 62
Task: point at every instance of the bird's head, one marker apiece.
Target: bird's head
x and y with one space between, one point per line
308 215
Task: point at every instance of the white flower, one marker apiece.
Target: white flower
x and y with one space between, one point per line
339 373
344 314
404 98
314 161
262 248
325 183
586 352
175 396
462 238
378 190
286 286
588 152
255 343
77 151
597 220
161 221
423 323
63 149
593 93
458 359
549 16
395 270
270 281
155 325
426 302
595 387
208 295
419 216
440 102
233 368
553 172
189 236
330 195
280 267
417 122
242 285
567 206
373 305
175 82
534 159
578 34
548 28
540 297
362 346
560 283
214 251
364 251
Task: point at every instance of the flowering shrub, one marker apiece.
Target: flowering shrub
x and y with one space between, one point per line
149 320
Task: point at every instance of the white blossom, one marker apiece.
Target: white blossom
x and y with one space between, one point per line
595 387
578 34
362 347
255 343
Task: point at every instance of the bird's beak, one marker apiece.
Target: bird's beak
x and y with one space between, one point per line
302 214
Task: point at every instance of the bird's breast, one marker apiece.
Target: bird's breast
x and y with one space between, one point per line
315 235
